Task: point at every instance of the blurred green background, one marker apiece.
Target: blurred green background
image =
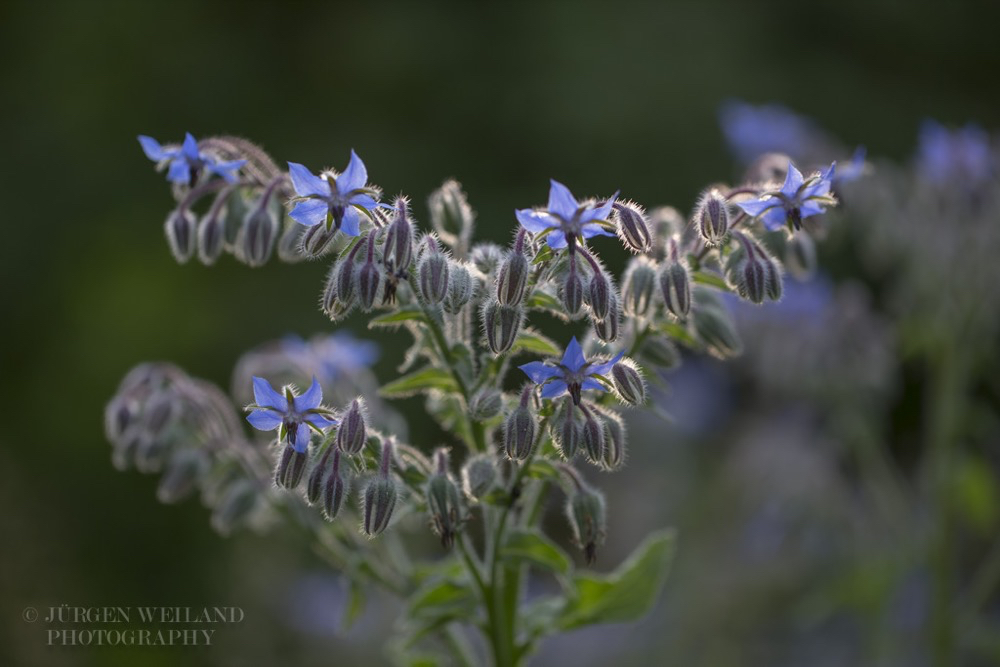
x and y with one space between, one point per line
501 97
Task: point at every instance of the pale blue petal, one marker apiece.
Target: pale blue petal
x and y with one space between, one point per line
591 383
320 421
311 399
775 218
553 389
809 209
535 221
602 369
265 396
179 171
601 212
854 169
189 149
309 212
354 177
351 223
307 183
363 200
573 358
561 200
300 440
556 239
227 169
264 420
592 229
755 207
539 372
152 148
793 181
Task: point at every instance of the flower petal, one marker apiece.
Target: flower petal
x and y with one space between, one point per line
561 200
227 169
755 207
573 358
775 218
309 212
179 171
793 181
307 183
189 149
311 399
592 229
264 419
602 369
591 383
363 200
298 437
354 177
600 212
152 148
351 222
320 421
810 208
265 396
539 372
535 222
553 389
556 239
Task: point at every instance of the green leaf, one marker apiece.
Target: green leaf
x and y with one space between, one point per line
626 594
397 317
355 604
444 598
679 333
542 300
536 549
711 279
423 380
534 342
543 255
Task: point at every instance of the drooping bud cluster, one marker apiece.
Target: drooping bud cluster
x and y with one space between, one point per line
754 273
501 325
585 510
443 501
479 475
380 495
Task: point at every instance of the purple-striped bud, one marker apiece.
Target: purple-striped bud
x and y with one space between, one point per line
593 436
432 274
181 231
369 282
639 285
478 476
443 501
317 240
633 228
712 217
258 233
501 324
568 431
675 285
519 428
398 248
334 490
512 277
585 510
380 496
352 432
451 215
571 292
614 442
291 466
628 382
460 288
211 236
346 273
609 328
599 295
773 282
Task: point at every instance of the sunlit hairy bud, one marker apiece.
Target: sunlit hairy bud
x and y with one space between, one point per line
599 295
665 222
593 436
432 274
181 230
211 236
159 413
398 248
478 476
773 281
712 217
182 473
675 285
660 351
639 287
800 256
568 430
633 228
485 404
614 442
317 240
352 432
513 274
628 382
451 215
291 466
333 304
571 292
346 275
609 328
486 257
314 485
460 288
443 501
258 233
519 428
713 325
380 496
290 243
334 490
235 506
501 324
369 282
751 279
585 511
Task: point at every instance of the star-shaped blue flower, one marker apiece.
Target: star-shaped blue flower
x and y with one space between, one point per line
334 201
187 161
566 220
573 374
798 199
292 417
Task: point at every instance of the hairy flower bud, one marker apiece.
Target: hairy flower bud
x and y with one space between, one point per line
632 226
211 236
351 433
501 324
182 473
291 466
599 295
675 284
571 292
800 255
460 288
334 490
478 476
512 277
443 501
181 230
628 382
639 286
380 496
614 442
317 240
713 325
346 276
568 431
519 428
593 436
398 248
451 215
486 257
369 282
585 510
258 233
608 328
432 274
485 404
712 217
773 282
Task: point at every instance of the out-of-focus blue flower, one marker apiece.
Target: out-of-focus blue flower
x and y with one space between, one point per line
187 161
291 414
566 220
798 199
954 156
752 131
853 170
337 202
331 356
573 374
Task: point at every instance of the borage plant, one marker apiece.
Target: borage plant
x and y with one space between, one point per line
519 431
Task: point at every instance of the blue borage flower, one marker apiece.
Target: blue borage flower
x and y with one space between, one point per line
187 161
797 199
333 355
962 155
753 130
566 220
336 201
573 374
292 415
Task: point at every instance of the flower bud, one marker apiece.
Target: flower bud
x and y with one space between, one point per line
571 292
380 496
751 281
586 513
614 442
593 436
501 324
181 230
660 351
800 256
351 434
334 490
478 476
235 506
460 288
599 295
398 248
451 215
632 226
519 429
290 243
211 237
665 222
712 217
346 276
443 501
258 233
291 466
432 274
675 284
314 485
317 240
486 257
121 413
181 477
159 413
639 285
485 404
608 328
628 382
773 282
713 325
512 277
369 282
568 431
